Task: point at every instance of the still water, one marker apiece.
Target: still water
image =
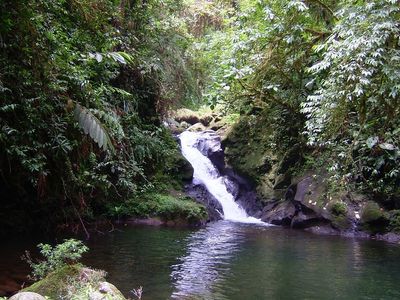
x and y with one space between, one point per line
227 260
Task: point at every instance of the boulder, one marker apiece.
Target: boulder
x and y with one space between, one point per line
281 214
250 202
206 119
201 195
184 125
210 146
106 291
198 127
27 296
184 168
186 115
305 220
231 186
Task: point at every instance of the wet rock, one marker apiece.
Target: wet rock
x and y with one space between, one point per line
27 296
198 127
183 168
323 230
303 189
201 195
250 202
231 186
281 214
282 181
210 145
206 120
304 220
186 115
390 237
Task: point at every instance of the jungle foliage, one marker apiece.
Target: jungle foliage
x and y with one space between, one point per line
323 74
83 87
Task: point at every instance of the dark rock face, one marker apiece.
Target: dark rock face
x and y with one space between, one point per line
249 200
281 213
200 194
210 146
232 186
184 168
297 210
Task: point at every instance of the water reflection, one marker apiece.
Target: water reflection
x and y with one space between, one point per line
208 261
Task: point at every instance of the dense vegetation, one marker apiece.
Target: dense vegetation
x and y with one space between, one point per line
317 81
84 86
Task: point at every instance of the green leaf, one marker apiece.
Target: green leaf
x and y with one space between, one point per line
387 146
92 126
372 141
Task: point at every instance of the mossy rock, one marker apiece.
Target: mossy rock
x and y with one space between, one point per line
339 209
54 284
248 148
186 115
167 207
341 222
76 282
373 218
371 212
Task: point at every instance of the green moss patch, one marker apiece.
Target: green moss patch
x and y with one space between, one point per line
76 282
56 283
166 207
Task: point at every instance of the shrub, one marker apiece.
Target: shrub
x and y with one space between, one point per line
339 209
56 257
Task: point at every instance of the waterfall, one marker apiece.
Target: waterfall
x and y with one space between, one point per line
206 173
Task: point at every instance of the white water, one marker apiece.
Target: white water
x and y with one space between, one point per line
206 173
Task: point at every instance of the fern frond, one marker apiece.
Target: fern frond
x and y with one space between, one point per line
92 126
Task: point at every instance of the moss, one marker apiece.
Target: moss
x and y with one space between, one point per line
373 218
56 283
165 206
339 215
341 222
75 282
339 209
248 148
371 212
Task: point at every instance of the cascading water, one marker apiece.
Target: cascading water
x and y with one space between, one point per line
206 173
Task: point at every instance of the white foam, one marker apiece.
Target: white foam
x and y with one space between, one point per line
206 173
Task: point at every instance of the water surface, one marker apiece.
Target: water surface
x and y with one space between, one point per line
229 260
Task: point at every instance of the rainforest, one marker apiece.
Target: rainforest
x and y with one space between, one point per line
199 149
